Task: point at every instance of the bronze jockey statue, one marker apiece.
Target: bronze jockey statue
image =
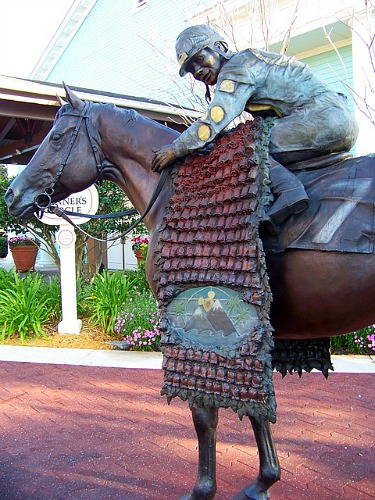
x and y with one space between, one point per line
312 119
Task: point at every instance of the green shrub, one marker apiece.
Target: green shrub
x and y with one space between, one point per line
140 280
25 305
106 296
3 246
53 289
7 278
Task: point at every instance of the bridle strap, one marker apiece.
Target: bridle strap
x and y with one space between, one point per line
84 116
64 214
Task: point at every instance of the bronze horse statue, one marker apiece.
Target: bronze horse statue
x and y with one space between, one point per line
315 294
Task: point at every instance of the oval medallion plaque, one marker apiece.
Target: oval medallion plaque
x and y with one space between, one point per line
212 316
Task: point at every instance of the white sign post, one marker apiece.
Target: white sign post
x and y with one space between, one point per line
85 202
66 239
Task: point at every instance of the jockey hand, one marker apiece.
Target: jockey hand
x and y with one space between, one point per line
163 157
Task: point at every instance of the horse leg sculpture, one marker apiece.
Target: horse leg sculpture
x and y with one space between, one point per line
269 468
205 422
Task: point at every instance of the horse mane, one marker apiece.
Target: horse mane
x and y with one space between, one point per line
128 116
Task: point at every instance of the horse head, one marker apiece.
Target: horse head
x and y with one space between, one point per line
53 173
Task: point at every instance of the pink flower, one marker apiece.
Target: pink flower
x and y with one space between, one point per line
139 241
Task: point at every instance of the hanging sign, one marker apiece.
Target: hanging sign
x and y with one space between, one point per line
84 202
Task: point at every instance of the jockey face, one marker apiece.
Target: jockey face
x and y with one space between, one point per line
205 66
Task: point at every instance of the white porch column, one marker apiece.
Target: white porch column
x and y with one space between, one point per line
44 261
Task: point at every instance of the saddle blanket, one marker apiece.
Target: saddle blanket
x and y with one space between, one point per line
212 284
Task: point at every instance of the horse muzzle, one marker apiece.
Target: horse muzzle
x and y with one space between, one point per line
22 211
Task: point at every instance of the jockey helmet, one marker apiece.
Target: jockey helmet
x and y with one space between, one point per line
195 38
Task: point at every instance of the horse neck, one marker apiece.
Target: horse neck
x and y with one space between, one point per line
128 141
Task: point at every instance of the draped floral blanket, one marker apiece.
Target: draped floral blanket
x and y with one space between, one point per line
212 282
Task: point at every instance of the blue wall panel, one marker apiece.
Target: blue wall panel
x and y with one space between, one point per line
114 50
336 74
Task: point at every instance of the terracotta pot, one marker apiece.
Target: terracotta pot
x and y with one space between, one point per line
24 257
138 254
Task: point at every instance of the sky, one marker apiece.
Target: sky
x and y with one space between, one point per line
26 28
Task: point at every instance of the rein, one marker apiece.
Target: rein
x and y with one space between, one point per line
64 214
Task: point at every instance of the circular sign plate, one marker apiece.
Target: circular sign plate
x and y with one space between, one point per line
66 237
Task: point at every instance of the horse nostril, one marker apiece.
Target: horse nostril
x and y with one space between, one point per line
9 196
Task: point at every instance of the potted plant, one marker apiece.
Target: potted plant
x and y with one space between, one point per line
24 251
139 247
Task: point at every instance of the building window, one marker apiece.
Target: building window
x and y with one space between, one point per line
139 5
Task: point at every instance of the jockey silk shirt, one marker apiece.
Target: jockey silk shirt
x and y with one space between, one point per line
312 119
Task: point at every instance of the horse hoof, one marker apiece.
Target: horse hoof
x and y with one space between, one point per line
200 493
196 496
254 495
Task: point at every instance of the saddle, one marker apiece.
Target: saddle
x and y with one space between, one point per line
341 212
320 161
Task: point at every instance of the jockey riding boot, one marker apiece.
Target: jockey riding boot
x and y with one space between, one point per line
291 195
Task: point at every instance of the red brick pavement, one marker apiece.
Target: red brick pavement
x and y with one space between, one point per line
105 433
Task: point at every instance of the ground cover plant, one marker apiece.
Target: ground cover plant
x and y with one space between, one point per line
29 302
106 295
360 342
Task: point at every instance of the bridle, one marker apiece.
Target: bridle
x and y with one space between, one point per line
99 160
82 118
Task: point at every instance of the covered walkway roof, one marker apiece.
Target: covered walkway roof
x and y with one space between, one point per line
28 108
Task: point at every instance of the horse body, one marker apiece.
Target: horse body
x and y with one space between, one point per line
320 294
316 293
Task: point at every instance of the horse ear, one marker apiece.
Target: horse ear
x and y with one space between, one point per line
73 100
61 100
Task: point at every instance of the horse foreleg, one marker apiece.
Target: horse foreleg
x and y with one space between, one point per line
269 468
205 422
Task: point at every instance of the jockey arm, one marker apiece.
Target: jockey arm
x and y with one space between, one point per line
229 102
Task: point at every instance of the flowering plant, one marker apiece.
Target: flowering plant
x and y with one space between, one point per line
139 242
18 241
371 339
138 323
366 338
